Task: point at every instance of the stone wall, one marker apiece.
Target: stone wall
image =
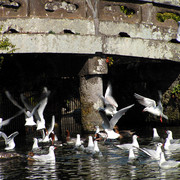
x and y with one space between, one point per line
137 19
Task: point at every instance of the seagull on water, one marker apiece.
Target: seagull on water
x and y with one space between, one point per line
109 125
164 164
150 105
44 157
170 137
154 154
155 134
133 145
171 147
90 147
9 140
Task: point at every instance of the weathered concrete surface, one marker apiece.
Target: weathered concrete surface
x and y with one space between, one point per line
89 44
49 43
142 48
107 28
91 87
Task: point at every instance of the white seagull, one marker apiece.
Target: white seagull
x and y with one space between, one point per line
170 137
164 164
133 145
109 125
47 133
99 135
150 105
171 147
7 121
28 113
109 102
40 110
131 155
78 140
155 134
35 144
154 154
9 140
90 147
45 157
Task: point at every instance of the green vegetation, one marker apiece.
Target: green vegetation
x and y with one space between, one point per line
51 32
167 15
128 12
5 44
176 91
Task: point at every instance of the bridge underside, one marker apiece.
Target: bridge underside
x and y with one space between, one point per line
78 35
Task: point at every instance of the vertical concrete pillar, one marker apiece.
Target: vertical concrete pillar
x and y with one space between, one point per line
91 86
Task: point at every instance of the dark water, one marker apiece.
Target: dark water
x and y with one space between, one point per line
73 164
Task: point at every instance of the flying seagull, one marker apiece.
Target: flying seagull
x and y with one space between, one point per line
150 105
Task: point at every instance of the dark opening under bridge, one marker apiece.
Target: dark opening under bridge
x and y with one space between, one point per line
92 27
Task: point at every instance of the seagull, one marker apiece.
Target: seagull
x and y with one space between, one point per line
96 151
171 147
133 145
9 140
46 137
170 137
109 102
150 105
78 141
164 164
109 125
131 155
40 110
44 157
28 113
99 135
96 148
7 121
35 144
90 147
154 154
155 134
178 32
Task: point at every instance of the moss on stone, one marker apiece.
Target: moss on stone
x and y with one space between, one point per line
167 15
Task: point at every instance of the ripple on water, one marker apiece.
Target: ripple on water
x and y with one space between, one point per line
72 164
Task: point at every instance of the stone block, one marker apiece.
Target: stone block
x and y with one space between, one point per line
14 8
119 11
57 9
93 66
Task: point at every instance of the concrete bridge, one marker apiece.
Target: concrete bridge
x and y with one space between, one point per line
92 27
73 27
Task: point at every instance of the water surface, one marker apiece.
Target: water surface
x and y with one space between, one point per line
73 164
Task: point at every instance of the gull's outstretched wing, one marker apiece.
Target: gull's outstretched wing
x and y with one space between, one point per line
118 115
147 102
